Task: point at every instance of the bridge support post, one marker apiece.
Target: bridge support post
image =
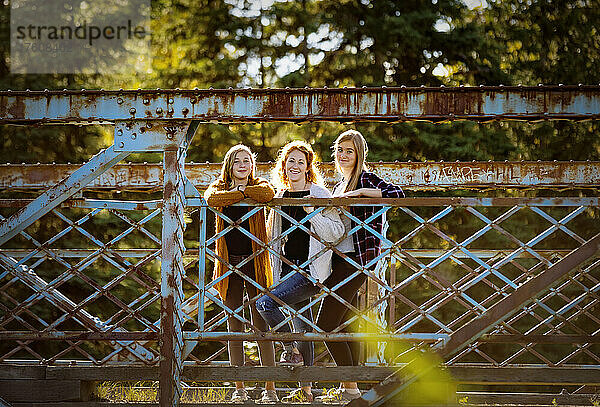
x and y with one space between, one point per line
172 271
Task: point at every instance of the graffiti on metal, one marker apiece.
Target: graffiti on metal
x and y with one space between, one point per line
411 175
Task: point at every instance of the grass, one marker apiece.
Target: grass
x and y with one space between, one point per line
119 392
136 392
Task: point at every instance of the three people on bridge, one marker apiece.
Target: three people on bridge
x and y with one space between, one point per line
311 251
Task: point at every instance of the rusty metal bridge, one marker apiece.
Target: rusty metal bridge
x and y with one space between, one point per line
504 289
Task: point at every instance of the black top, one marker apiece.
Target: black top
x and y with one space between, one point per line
238 243
296 246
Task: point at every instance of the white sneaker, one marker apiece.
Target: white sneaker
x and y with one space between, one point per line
337 395
239 396
268 396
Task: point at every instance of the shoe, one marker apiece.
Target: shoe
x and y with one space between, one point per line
289 358
239 396
268 396
298 396
338 396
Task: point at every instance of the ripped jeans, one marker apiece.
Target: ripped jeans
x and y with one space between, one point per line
296 292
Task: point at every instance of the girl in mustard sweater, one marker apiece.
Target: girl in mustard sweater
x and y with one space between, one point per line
237 182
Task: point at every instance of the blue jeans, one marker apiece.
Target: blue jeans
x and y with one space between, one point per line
296 292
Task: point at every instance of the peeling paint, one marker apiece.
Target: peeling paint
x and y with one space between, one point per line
346 104
411 175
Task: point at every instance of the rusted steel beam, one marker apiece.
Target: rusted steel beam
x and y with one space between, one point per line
428 201
433 201
410 175
77 336
481 103
172 270
418 253
540 338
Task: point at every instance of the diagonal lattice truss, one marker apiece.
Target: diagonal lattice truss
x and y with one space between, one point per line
96 267
443 266
84 269
489 252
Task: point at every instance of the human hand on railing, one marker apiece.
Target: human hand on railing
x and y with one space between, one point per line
348 194
308 209
368 192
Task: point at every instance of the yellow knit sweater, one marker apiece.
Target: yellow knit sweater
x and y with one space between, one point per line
218 195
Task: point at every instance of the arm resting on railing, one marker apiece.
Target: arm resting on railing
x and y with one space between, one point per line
327 223
261 192
371 186
218 195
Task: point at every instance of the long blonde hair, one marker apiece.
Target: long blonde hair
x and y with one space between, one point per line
227 168
313 175
361 148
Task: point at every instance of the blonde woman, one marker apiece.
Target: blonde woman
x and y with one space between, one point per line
237 182
350 152
298 177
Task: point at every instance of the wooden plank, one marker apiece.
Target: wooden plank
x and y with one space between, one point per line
87 390
520 399
526 375
470 398
249 403
12 371
287 374
227 403
40 390
224 373
112 373
106 404
462 374
93 404
588 390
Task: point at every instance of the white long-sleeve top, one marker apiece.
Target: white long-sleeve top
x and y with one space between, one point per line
326 224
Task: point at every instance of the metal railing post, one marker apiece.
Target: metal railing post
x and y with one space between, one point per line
201 267
172 271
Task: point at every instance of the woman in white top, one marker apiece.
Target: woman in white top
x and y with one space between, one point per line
298 177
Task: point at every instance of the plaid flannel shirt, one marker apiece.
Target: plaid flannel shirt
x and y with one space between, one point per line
366 244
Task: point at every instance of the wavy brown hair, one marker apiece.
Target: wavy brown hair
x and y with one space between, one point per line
227 168
313 175
361 149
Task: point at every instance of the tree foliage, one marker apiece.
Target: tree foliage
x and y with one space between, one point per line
238 43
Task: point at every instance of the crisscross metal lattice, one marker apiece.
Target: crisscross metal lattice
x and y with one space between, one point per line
489 281
101 285
434 282
478 278
444 263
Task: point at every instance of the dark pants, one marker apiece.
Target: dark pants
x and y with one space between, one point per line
332 312
235 296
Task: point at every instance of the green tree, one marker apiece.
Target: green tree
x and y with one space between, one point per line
549 42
